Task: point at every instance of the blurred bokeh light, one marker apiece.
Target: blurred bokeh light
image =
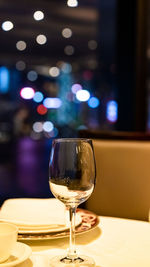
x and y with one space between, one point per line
38 97
41 109
41 39
38 15
48 126
7 25
112 111
52 102
72 3
93 102
21 45
27 93
83 95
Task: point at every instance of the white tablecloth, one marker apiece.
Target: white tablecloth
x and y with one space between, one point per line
114 243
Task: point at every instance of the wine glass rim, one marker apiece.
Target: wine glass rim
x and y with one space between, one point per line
72 140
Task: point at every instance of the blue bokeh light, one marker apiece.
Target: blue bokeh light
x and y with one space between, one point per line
93 102
38 97
112 111
4 80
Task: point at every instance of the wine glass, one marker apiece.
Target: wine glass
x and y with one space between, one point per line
72 174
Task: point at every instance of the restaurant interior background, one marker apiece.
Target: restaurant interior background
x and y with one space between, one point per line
67 66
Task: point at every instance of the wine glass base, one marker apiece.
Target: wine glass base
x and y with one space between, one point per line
80 261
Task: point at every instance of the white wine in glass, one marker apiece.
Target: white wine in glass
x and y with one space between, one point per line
72 174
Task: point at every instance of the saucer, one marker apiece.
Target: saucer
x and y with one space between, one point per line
20 253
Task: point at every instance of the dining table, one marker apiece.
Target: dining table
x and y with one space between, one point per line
114 242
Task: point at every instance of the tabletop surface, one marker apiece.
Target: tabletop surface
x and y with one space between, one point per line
114 242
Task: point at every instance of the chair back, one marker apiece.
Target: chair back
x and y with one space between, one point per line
123 179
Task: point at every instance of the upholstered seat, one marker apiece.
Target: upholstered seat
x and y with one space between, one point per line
123 179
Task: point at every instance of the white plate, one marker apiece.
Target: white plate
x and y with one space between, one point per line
45 230
89 221
20 253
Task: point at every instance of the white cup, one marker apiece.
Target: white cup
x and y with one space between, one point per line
8 238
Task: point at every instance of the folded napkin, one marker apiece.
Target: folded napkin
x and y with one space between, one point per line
31 213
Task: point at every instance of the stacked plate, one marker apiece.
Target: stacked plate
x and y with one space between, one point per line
36 216
40 219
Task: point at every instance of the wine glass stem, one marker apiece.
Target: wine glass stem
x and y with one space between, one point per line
72 250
